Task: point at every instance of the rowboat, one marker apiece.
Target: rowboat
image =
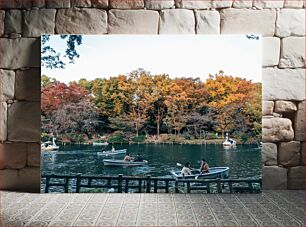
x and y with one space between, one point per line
110 152
214 172
116 162
100 143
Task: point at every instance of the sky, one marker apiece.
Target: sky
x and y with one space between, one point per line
102 56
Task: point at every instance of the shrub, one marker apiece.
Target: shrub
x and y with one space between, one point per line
139 139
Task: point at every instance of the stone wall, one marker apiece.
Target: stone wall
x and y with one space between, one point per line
281 22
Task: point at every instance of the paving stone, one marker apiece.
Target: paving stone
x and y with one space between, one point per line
293 4
27 85
178 21
267 107
191 4
299 122
207 22
290 22
289 153
3 121
26 179
279 176
20 53
80 3
242 4
24 122
159 4
55 4
38 22
126 4
277 129
283 84
33 158
140 22
271 51
81 21
99 3
261 4
13 21
269 154
296 178
7 81
13 155
221 3
285 107
293 52
245 21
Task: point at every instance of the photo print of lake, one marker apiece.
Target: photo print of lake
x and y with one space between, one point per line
147 113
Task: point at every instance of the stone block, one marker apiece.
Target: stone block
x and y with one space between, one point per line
303 154
290 22
244 21
191 4
15 4
99 3
39 3
299 122
296 178
293 52
285 107
27 85
13 155
33 158
13 21
55 4
126 4
24 122
2 15
274 177
270 51
38 22
267 107
20 53
177 21
262 4
7 81
25 180
159 4
277 130
269 154
242 4
3 121
289 153
221 3
293 4
208 22
283 84
139 22
80 3
81 21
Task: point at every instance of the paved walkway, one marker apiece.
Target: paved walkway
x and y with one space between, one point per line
271 208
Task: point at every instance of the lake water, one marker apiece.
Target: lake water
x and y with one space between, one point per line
244 161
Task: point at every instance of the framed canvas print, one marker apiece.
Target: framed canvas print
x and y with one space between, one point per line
147 113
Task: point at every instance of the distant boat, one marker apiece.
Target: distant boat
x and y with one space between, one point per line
214 172
229 143
49 146
100 143
116 162
110 152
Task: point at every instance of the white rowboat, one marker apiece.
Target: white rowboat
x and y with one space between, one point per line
214 172
116 162
110 152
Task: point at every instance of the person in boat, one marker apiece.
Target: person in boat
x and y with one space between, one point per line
204 168
113 149
186 169
128 158
138 158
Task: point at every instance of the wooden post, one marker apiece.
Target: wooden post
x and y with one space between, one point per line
148 184
250 186
230 186
47 184
139 185
155 186
188 187
108 184
120 183
66 184
78 183
126 190
176 186
167 186
219 189
208 187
